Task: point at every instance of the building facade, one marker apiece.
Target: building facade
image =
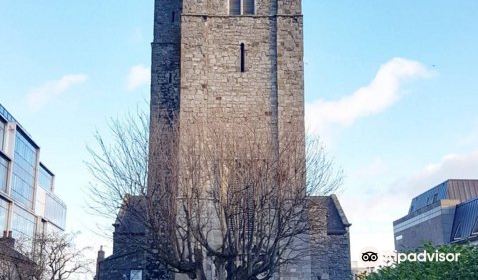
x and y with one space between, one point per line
447 213
235 64
28 204
329 256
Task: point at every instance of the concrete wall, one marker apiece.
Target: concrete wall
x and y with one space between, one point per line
434 227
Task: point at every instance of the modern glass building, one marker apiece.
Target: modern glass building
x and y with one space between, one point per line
28 205
447 213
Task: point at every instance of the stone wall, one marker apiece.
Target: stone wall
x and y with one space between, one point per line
196 75
329 241
119 266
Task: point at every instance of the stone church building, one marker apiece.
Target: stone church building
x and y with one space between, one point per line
230 62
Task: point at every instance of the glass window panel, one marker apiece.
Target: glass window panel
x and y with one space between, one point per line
2 134
52 229
136 275
23 227
234 7
3 174
248 7
475 228
55 211
23 171
458 233
45 179
3 214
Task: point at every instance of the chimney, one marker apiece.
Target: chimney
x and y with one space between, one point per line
7 239
101 254
99 259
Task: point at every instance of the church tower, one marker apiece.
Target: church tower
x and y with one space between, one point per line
229 61
234 63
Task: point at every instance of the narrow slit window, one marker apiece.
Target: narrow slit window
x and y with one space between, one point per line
170 78
173 17
243 58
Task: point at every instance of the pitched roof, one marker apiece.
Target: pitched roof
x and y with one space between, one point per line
337 222
131 215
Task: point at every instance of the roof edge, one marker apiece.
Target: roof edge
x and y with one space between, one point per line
340 210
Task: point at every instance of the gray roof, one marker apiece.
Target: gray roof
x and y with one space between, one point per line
453 189
131 216
465 224
337 222
8 252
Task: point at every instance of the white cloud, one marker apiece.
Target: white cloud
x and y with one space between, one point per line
138 76
369 171
380 94
373 212
40 96
452 166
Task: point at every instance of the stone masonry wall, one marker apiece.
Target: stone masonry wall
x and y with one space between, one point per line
330 252
120 266
196 71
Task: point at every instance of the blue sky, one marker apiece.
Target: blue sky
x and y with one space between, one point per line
390 86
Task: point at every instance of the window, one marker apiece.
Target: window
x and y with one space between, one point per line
475 228
248 7
3 214
2 134
458 233
3 173
243 58
235 7
435 198
23 171
136 275
55 211
45 178
173 17
23 226
241 7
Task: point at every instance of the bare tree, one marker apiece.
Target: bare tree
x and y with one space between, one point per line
44 257
57 258
14 265
234 199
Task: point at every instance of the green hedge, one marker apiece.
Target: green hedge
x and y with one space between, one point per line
465 269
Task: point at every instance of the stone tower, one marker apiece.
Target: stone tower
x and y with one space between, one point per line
229 61
234 63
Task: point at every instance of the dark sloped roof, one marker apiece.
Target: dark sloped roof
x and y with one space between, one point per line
7 251
465 224
337 222
453 189
131 216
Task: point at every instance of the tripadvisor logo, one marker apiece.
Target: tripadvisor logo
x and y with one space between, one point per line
369 256
372 257
427 257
